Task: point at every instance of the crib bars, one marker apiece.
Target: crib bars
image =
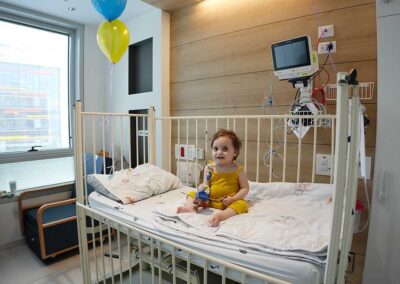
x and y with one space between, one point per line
285 157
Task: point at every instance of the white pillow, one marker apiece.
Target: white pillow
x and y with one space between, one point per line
131 185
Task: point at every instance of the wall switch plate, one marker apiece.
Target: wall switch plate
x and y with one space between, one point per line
327 47
328 31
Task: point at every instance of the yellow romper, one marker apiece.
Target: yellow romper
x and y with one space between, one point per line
225 184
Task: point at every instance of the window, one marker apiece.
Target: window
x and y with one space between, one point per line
38 73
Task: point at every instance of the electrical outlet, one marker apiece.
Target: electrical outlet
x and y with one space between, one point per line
368 162
182 151
327 123
327 30
327 47
324 161
323 165
351 262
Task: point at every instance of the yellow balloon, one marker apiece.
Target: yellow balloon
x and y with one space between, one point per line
113 39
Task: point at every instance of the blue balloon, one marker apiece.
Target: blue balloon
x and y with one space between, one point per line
110 9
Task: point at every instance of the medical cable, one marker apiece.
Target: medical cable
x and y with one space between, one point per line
269 106
268 99
368 207
320 69
332 63
267 156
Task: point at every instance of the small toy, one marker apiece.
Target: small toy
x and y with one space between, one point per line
202 198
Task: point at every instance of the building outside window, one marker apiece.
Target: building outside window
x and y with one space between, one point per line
41 72
34 91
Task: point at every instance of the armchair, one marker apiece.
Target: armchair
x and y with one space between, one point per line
49 225
48 217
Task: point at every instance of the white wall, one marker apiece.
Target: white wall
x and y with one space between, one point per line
117 99
94 76
94 89
9 223
383 250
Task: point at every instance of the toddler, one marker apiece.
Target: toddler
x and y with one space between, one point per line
226 179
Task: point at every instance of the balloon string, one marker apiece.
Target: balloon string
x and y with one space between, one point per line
110 77
108 100
110 91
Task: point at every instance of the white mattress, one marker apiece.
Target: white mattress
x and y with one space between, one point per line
140 214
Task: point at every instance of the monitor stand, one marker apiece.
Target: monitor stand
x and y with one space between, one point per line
303 105
305 86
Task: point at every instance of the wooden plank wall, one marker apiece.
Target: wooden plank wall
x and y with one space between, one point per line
221 59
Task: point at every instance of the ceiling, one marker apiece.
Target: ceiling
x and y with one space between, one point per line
84 12
171 5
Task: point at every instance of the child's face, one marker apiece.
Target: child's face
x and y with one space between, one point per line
223 151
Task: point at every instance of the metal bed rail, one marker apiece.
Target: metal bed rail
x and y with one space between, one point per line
268 143
124 246
270 151
262 136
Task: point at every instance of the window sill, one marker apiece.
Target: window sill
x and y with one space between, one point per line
10 158
8 199
39 173
14 198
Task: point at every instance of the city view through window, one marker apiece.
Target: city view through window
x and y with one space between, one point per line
34 107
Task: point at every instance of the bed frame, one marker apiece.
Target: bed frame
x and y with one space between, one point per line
125 247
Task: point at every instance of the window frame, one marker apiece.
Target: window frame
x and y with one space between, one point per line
75 34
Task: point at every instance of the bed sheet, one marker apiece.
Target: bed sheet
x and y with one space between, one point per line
141 214
281 220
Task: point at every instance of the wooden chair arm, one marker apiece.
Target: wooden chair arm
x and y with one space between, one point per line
31 193
25 194
44 189
46 206
42 226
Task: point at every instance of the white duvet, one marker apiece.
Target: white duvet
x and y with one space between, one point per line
131 185
285 218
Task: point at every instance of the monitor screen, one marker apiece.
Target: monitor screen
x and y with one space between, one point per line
291 53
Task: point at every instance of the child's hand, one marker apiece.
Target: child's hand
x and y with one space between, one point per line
228 201
200 187
214 220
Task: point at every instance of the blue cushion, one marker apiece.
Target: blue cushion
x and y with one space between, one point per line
51 214
57 237
90 159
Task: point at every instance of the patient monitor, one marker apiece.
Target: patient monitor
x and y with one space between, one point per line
295 61
294 58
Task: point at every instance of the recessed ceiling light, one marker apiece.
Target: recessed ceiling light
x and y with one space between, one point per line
71 9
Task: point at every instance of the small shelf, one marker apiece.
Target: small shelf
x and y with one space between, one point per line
366 91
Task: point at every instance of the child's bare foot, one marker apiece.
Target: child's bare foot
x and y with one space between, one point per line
214 220
185 209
